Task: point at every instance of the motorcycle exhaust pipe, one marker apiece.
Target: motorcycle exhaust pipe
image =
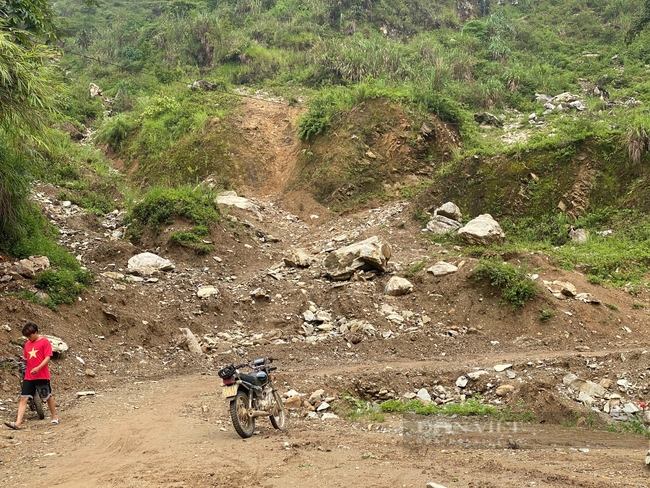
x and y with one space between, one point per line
258 413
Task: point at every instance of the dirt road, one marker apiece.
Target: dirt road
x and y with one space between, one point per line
176 433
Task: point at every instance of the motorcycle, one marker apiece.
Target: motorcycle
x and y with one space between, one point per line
35 404
252 395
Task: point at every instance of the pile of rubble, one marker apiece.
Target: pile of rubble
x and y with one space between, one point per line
316 406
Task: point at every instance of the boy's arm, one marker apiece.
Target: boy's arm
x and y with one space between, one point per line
41 366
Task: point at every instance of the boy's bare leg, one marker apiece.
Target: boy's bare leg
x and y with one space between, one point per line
50 405
22 406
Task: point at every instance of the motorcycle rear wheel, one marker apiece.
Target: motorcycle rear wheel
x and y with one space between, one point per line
38 406
243 424
279 419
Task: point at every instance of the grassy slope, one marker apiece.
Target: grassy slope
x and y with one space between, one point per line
376 71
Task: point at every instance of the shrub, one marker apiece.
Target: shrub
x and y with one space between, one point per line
193 239
637 140
546 314
116 130
63 285
516 287
160 205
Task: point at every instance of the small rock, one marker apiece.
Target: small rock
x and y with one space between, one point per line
504 390
207 291
398 286
423 394
328 416
502 367
90 372
293 403
317 396
474 375
323 406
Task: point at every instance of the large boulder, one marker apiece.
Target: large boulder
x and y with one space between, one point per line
486 118
230 199
397 286
482 231
441 269
58 346
449 210
440 224
373 253
297 258
148 263
32 265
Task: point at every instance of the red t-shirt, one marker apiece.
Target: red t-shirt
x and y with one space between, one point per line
35 352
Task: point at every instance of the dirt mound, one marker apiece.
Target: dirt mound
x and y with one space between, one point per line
373 150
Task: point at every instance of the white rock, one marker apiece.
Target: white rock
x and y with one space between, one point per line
585 398
461 382
398 286
482 231
442 268
630 408
502 367
328 416
323 406
449 210
58 346
190 341
316 396
147 263
441 225
207 291
372 253
423 394
230 199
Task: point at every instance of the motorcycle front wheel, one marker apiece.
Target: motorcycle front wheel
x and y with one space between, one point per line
38 406
243 424
279 417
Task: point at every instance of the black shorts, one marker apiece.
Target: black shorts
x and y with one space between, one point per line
30 387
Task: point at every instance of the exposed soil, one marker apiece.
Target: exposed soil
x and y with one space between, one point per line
157 418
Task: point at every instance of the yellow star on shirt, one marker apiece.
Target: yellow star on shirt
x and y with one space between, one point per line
32 353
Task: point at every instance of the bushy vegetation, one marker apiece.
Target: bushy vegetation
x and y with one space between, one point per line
159 206
516 287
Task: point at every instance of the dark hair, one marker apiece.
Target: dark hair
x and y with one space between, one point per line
29 329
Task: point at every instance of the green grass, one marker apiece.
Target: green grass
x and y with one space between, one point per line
356 409
546 314
194 239
469 408
416 268
632 427
160 206
516 287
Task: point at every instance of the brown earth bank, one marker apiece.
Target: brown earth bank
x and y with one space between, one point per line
157 419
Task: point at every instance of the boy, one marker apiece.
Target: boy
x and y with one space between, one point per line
37 354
